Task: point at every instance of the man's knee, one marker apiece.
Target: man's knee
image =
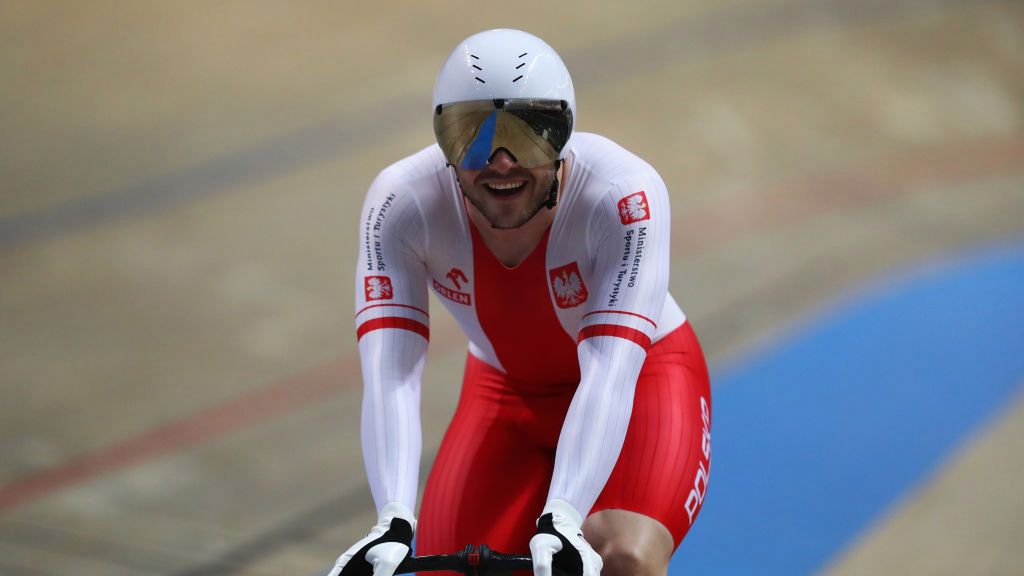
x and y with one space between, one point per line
630 544
624 558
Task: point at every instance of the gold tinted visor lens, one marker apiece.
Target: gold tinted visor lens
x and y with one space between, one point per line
533 131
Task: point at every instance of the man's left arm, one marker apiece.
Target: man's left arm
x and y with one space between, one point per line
630 247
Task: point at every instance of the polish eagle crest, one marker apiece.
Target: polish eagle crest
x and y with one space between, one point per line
378 288
568 287
634 208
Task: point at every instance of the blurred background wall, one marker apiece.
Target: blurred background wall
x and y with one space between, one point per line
179 189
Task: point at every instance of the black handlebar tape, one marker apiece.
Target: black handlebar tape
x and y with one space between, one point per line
471 560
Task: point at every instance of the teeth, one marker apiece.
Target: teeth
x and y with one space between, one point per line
507 185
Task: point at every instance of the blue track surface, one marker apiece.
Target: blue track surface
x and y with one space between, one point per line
817 435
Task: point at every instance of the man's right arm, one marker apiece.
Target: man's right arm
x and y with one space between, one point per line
392 326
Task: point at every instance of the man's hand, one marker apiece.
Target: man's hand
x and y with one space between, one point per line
559 549
383 549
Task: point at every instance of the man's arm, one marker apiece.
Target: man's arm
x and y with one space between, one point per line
392 326
630 246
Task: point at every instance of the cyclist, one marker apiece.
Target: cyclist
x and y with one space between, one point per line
583 427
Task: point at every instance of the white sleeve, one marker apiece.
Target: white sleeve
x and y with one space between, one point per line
630 250
392 326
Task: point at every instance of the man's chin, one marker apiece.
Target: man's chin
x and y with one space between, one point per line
504 221
511 221
506 225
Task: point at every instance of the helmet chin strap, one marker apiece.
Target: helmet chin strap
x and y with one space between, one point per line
552 200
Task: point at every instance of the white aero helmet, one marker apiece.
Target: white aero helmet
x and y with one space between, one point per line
503 89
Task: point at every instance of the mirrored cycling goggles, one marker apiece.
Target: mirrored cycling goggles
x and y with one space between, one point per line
534 131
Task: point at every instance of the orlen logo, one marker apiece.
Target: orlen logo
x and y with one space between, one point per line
457 277
634 208
453 295
378 288
567 284
700 481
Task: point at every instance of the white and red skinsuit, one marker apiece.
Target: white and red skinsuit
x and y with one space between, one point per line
572 324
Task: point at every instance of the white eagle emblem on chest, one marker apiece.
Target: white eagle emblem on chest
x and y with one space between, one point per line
567 285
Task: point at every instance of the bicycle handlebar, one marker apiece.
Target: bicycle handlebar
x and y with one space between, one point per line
472 560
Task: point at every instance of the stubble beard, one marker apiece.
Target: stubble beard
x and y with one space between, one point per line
499 221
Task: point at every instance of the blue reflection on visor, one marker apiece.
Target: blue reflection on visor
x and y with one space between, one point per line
479 152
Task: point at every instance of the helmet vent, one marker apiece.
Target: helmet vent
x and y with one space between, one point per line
478 79
517 78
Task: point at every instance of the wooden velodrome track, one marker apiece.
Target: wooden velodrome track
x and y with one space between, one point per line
180 187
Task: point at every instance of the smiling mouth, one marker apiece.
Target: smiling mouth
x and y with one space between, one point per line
505 188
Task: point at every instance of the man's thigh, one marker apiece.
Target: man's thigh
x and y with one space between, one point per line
490 479
662 471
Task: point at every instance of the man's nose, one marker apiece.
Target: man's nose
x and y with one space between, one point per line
502 160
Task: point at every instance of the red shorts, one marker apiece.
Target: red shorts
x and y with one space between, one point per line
491 476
